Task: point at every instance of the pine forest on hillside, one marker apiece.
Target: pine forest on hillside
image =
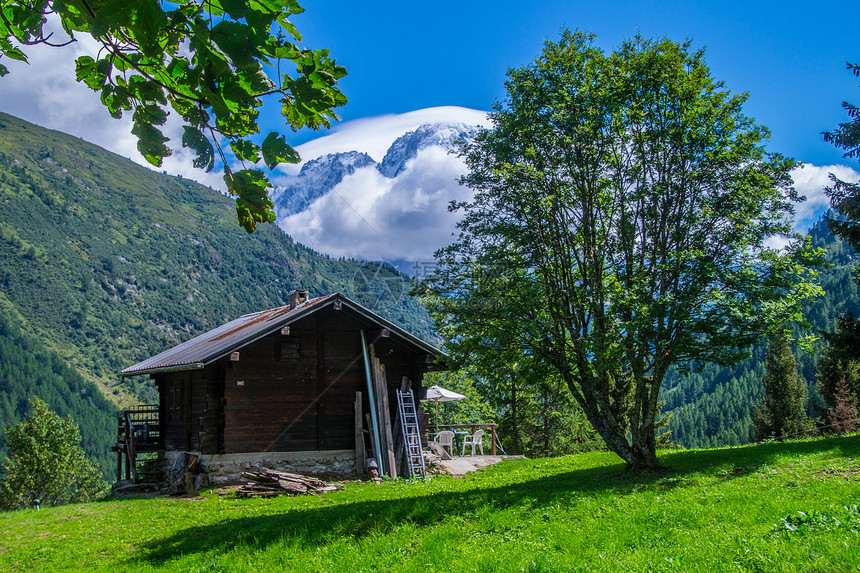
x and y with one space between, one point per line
713 407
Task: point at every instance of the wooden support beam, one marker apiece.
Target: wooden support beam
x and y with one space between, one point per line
381 458
376 466
234 357
386 413
493 431
386 449
360 454
399 446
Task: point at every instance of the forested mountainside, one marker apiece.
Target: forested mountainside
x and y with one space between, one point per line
106 262
28 369
713 407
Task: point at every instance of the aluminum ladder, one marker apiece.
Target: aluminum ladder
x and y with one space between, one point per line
411 434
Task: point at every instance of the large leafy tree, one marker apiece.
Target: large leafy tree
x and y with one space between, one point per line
207 61
622 211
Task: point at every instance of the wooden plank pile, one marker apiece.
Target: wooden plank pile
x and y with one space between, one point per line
269 483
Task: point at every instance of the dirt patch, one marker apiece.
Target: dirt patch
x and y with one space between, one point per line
460 466
850 473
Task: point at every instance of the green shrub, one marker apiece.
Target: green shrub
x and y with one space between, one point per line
47 465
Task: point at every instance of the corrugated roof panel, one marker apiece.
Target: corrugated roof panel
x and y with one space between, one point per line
211 345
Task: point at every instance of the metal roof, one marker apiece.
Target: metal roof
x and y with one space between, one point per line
210 346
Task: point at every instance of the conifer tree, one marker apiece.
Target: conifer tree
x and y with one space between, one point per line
781 413
839 372
843 417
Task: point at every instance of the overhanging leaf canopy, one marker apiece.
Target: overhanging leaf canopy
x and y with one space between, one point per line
208 62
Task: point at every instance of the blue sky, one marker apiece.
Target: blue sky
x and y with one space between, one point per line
403 56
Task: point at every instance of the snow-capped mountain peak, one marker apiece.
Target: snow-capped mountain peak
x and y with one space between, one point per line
406 147
317 177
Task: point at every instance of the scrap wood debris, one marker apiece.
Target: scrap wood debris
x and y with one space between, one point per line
269 483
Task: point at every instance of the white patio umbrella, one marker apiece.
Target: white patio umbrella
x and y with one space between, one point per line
438 394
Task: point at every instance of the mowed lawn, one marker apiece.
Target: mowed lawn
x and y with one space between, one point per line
772 507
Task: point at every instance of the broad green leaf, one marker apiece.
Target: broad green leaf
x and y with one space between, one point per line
276 150
150 140
149 20
253 204
237 9
86 71
235 40
196 140
15 54
245 150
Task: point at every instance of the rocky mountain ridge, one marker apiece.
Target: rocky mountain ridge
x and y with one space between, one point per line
320 175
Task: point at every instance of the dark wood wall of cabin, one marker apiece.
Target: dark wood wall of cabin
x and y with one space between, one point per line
295 392
292 392
190 409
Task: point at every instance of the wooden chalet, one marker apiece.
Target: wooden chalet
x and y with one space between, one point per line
316 379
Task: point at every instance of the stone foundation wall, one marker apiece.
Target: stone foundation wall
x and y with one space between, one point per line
226 469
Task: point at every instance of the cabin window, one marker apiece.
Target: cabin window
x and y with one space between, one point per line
287 350
174 402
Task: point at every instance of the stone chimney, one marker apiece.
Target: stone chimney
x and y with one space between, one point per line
297 297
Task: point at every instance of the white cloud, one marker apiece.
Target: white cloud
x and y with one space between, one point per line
45 92
369 216
810 180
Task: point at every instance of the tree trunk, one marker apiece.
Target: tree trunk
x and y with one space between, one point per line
642 454
644 458
516 428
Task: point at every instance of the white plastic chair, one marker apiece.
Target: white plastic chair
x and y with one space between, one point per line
476 439
445 439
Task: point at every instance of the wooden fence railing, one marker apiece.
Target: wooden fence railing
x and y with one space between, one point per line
138 430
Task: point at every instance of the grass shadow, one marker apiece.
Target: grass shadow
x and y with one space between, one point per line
320 525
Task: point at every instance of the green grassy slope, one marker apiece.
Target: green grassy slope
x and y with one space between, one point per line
774 507
108 262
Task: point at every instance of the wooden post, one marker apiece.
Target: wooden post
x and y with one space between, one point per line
374 449
360 454
386 412
381 458
381 387
132 446
493 430
372 423
399 446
